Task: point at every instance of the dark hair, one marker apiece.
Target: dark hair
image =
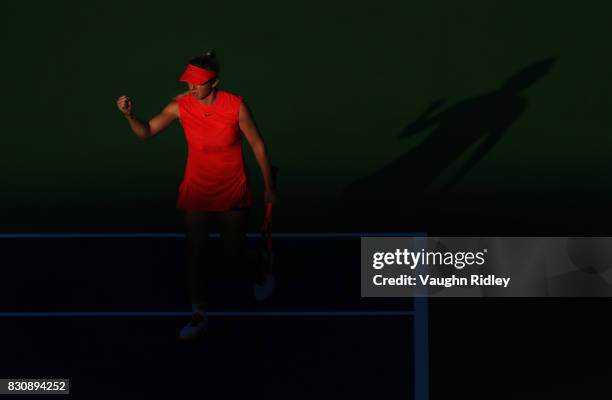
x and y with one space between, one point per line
207 60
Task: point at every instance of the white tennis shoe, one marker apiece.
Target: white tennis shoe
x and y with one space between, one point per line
264 289
195 329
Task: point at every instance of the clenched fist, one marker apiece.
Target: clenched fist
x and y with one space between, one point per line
124 104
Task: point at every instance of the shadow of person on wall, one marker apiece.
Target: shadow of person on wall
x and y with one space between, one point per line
475 124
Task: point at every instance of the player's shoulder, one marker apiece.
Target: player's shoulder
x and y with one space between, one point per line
180 97
232 98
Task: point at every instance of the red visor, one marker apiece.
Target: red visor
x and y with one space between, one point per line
196 75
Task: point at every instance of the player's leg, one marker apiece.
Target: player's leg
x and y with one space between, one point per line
239 256
233 227
197 224
197 227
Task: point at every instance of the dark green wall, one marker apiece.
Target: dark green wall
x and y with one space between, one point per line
332 86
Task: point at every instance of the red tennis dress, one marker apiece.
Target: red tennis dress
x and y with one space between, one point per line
215 175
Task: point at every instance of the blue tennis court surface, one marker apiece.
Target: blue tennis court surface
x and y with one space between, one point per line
105 312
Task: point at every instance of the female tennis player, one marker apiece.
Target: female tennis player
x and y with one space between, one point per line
215 184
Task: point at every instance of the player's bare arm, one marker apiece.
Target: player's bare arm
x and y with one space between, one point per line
146 130
251 132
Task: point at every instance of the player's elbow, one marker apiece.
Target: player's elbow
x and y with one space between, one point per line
145 136
149 132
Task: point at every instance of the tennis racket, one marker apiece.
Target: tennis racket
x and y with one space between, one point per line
266 227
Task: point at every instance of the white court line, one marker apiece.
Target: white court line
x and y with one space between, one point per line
210 313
